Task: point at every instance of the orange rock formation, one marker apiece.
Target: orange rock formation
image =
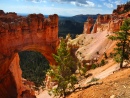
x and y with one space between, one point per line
87 25
110 23
18 33
89 42
122 9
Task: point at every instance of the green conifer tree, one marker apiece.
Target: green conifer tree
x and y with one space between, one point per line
122 38
63 73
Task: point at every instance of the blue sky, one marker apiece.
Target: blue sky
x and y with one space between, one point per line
60 7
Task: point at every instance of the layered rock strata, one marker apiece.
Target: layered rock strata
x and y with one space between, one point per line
18 33
94 43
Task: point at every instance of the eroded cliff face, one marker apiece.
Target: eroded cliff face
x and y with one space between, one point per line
88 25
18 33
110 23
124 8
92 44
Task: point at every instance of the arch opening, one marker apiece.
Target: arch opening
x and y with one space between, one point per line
34 67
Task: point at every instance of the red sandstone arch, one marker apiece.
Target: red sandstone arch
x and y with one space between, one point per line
23 33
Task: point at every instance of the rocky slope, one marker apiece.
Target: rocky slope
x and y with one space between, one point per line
93 44
116 85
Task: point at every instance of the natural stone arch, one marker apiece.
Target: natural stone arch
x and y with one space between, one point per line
19 34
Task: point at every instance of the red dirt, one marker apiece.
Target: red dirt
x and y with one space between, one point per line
117 84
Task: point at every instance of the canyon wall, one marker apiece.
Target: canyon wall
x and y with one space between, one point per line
88 25
109 22
93 44
104 22
18 33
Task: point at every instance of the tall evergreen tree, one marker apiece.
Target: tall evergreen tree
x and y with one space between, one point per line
123 39
63 73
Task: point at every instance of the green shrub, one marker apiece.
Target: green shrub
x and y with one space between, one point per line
111 55
97 52
93 80
102 62
105 55
84 70
93 66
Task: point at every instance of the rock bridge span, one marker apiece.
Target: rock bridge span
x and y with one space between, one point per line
18 33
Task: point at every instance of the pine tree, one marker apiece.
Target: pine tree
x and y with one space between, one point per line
63 73
122 38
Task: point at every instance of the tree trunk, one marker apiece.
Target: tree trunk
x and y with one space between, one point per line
121 63
123 50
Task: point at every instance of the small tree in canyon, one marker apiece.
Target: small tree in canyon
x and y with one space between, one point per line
63 73
123 39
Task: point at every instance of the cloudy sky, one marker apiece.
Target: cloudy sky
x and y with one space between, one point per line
60 7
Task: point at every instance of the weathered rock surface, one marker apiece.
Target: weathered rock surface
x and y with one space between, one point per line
103 19
110 23
94 42
17 33
87 25
122 9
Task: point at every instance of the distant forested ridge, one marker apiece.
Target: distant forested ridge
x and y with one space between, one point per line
73 25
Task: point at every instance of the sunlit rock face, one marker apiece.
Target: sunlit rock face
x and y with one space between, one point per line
124 8
95 40
18 33
110 23
87 25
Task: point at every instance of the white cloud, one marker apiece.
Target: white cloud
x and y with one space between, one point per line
99 5
118 2
87 4
110 0
109 5
52 5
81 3
54 10
37 1
90 3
